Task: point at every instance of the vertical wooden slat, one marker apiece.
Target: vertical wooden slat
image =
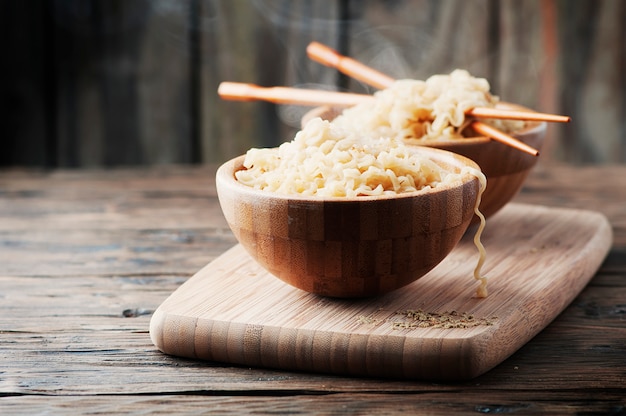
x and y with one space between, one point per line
116 38
518 56
621 88
226 127
599 106
23 93
164 87
549 81
576 29
343 39
195 80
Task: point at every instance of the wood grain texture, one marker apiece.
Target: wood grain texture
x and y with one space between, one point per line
74 322
431 403
233 311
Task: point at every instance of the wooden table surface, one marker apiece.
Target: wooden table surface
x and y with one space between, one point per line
86 256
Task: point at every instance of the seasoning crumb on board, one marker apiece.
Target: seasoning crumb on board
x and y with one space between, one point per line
417 318
537 249
367 320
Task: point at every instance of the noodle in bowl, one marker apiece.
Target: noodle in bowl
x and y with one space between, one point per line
506 168
338 237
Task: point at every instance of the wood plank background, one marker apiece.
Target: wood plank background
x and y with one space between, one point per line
131 82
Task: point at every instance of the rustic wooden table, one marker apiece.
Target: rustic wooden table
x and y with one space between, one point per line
86 256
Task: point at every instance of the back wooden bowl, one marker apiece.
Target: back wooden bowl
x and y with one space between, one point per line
350 247
506 168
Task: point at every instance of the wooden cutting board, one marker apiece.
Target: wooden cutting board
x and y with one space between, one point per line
538 260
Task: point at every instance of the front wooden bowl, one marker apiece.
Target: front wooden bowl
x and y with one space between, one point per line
506 168
350 247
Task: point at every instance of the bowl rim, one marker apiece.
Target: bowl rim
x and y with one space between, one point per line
225 175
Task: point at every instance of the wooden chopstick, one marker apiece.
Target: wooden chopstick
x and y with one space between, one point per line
363 73
353 68
239 91
498 135
487 112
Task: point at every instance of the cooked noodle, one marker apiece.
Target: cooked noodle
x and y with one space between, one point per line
481 292
416 110
325 160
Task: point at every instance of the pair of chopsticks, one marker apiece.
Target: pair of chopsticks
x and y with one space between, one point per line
239 91
329 57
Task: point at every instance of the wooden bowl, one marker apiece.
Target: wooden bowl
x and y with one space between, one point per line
350 247
506 168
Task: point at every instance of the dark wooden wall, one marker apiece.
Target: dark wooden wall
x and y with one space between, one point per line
125 82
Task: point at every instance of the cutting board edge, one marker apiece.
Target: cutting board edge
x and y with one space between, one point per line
440 352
